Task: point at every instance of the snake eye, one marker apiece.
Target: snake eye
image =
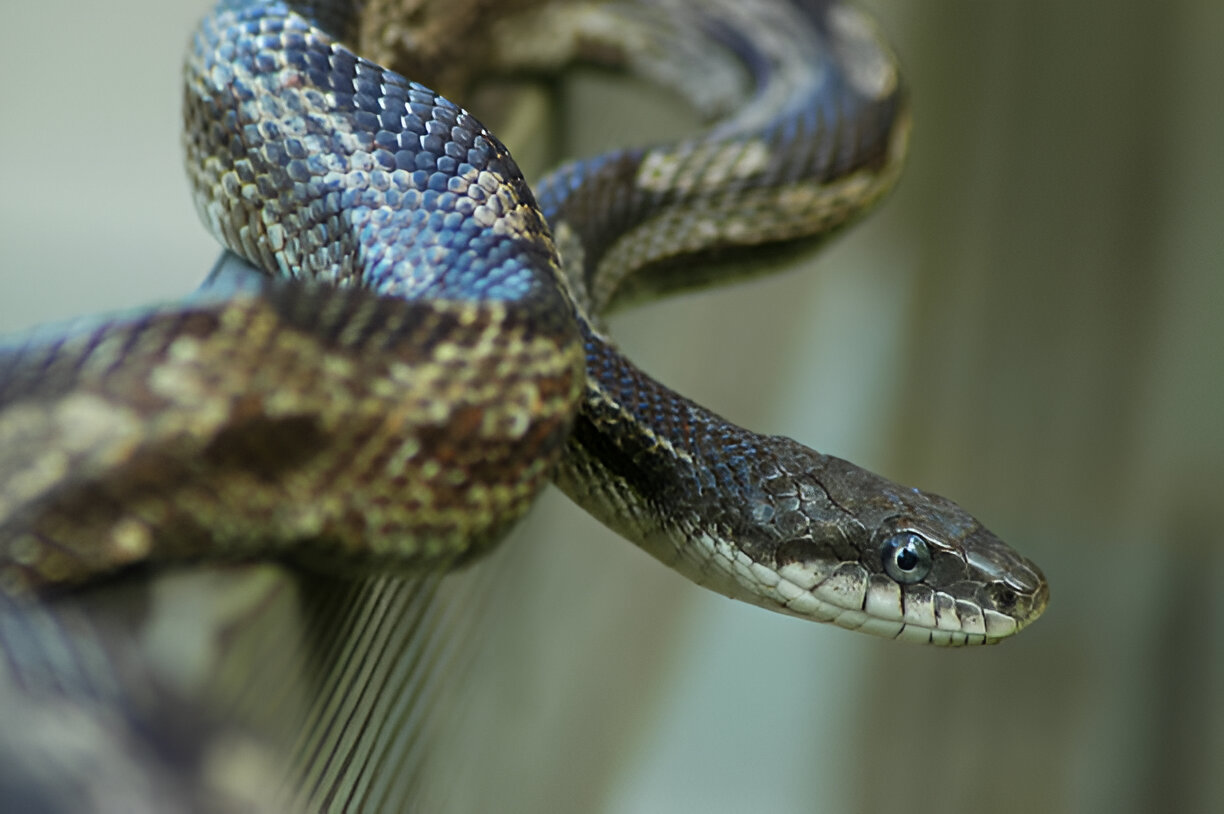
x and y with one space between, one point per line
906 556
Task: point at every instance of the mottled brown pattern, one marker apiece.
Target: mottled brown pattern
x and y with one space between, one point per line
359 448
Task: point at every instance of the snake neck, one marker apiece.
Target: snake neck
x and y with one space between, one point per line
667 474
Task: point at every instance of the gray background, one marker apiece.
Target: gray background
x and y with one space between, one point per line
1030 326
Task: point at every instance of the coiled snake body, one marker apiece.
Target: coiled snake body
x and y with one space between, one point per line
424 352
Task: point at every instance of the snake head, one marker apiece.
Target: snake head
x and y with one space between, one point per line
827 540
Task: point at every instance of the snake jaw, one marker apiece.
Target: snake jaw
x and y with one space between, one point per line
961 602
854 598
815 541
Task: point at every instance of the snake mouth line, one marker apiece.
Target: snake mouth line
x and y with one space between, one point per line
928 617
846 594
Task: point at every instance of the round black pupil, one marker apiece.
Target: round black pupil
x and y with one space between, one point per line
907 558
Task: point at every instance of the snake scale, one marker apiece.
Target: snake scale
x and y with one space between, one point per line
424 349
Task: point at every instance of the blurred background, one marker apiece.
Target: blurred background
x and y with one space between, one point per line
1029 326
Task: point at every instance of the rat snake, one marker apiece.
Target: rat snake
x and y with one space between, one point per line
424 349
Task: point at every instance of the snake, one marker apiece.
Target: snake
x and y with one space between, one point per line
420 346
